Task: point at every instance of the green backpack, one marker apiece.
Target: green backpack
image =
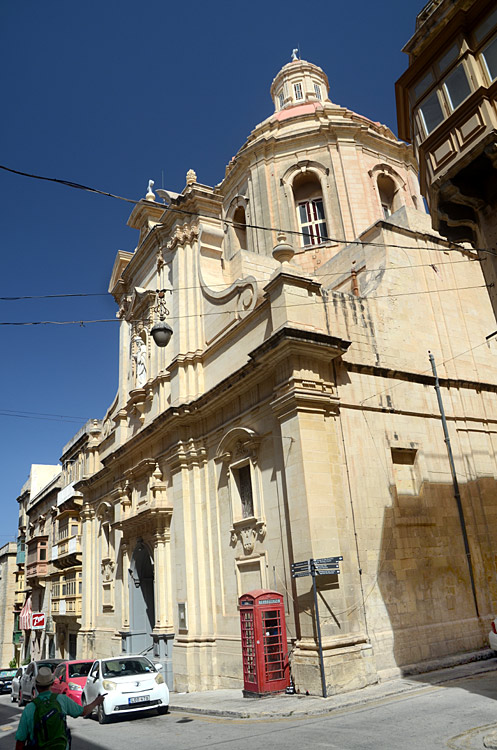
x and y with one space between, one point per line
50 728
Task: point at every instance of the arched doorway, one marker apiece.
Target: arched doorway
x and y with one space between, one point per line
141 600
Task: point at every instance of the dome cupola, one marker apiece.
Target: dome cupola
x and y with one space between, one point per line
299 82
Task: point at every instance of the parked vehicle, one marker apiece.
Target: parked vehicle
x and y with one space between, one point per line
492 636
70 678
16 682
131 683
27 689
6 677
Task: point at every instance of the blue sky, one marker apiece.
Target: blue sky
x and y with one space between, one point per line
111 94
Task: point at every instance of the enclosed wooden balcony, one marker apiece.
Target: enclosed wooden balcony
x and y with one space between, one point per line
67 553
36 559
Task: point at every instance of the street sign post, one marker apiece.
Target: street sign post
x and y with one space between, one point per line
322 567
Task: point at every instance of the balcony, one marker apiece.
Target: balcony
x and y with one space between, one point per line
21 552
67 553
38 569
68 606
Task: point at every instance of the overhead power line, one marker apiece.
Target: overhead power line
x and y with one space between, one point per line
327 274
218 312
58 296
78 186
36 415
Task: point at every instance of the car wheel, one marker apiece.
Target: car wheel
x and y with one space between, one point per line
101 715
162 710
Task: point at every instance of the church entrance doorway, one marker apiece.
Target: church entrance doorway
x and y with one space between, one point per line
141 600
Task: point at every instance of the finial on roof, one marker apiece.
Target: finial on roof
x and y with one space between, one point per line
295 54
191 177
150 193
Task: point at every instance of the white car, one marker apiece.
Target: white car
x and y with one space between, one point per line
131 683
16 684
492 636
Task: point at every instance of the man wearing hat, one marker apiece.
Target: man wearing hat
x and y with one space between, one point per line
38 719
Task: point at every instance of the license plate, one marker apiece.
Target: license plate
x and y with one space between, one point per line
140 699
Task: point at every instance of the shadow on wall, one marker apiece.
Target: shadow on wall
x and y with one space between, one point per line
424 579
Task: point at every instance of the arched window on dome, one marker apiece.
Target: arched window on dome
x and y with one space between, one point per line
240 228
309 204
387 190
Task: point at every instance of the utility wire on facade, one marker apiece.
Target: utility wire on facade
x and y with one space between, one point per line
196 315
328 274
452 246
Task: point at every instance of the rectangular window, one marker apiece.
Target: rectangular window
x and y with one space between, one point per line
489 56
423 85
486 26
74 529
244 485
297 87
317 91
312 222
448 58
457 87
281 99
431 112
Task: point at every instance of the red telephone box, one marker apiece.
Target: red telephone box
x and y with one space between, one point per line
264 644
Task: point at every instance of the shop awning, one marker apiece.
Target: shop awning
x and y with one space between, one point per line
25 616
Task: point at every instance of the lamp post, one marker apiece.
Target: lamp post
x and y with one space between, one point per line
161 332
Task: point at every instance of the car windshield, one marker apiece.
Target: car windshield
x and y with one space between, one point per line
50 664
123 667
79 670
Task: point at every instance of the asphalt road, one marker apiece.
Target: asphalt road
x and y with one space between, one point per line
454 715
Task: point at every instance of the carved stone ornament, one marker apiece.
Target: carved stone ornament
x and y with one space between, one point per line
191 177
248 531
185 234
107 566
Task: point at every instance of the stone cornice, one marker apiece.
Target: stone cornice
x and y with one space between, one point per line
414 377
271 135
312 343
152 520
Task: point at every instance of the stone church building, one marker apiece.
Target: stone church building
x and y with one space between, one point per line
292 415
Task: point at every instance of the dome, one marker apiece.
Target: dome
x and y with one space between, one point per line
299 82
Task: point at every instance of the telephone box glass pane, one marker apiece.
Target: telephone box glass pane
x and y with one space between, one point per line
273 645
248 647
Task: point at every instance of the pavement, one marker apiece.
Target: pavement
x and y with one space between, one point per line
231 703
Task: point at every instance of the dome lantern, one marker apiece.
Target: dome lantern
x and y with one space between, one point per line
299 82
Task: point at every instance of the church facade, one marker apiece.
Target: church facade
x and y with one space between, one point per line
292 415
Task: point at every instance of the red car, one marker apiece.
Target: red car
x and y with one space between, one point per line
70 678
